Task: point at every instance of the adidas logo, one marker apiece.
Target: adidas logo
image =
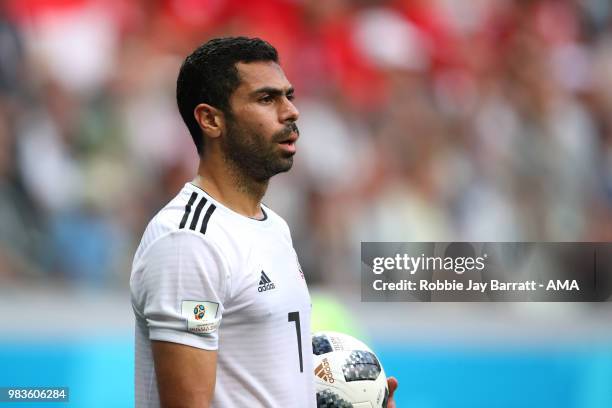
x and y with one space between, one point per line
265 283
323 371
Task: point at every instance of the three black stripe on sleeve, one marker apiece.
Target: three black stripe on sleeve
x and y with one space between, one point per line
196 214
188 210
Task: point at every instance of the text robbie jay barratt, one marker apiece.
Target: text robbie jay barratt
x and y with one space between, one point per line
474 286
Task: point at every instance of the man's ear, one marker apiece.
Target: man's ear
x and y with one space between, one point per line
210 119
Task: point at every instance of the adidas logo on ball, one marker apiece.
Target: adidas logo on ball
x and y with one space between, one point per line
347 373
324 372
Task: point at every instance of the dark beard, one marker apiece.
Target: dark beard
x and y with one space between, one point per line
255 158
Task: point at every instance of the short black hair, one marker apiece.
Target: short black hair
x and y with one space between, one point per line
209 75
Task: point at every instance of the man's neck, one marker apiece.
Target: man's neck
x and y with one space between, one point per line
225 183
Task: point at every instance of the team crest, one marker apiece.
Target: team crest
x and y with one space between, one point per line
301 272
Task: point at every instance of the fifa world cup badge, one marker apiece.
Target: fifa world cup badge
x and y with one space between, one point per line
201 316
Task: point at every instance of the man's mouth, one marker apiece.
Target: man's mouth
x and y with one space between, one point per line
291 139
288 144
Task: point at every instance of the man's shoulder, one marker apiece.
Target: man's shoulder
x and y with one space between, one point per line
168 218
278 221
272 215
188 213
190 210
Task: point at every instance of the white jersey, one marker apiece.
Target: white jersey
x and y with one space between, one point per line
208 277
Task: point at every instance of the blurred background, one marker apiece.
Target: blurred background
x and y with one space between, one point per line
421 120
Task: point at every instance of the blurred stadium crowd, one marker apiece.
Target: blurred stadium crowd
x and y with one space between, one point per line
421 120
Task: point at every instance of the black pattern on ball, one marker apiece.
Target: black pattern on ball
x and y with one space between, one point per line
361 365
321 345
328 399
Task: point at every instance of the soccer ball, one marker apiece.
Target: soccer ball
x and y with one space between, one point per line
347 373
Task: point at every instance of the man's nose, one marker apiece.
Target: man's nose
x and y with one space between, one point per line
289 113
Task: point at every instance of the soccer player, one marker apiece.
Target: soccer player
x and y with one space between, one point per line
221 304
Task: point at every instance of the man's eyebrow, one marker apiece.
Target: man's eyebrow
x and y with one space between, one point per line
273 91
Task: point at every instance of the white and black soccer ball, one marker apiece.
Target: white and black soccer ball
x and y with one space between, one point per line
347 373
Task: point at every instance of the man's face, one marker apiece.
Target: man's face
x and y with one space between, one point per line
261 131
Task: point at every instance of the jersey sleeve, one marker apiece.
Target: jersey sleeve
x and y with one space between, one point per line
182 288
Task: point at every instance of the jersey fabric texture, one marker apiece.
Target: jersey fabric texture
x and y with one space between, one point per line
207 277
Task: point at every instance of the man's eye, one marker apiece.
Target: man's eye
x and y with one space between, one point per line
266 99
291 97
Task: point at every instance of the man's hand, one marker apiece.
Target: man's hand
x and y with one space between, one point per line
392 383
